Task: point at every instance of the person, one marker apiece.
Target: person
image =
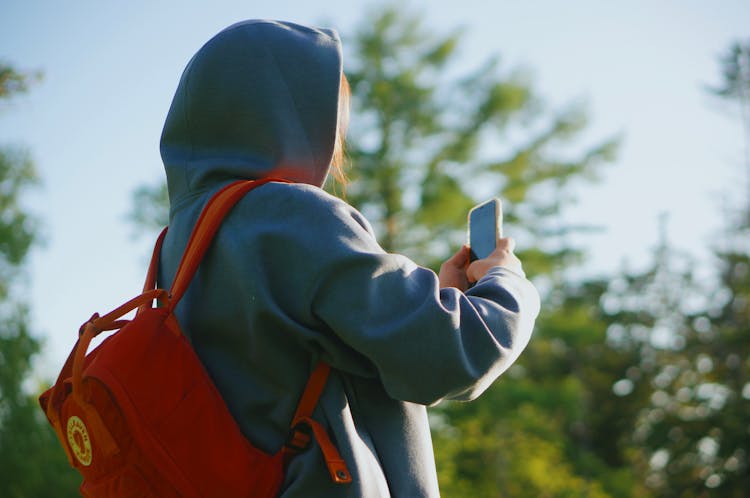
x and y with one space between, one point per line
295 275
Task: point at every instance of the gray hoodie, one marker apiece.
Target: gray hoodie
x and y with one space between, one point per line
295 275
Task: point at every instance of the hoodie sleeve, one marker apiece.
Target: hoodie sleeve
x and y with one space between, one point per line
425 343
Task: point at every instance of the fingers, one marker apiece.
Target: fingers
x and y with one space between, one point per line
456 270
506 243
501 256
475 271
460 258
453 271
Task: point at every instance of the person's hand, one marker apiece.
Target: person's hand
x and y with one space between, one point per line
501 256
453 272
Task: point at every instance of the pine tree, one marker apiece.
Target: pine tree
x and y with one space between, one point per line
700 439
692 337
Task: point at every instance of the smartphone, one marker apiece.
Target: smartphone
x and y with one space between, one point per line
485 221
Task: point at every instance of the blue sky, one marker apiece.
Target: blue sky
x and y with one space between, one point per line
93 123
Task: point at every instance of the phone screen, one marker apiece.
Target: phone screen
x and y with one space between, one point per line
484 228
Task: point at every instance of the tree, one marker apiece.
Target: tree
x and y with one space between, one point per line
32 463
649 316
691 337
150 207
735 88
428 143
697 428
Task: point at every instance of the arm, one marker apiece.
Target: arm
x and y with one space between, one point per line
425 342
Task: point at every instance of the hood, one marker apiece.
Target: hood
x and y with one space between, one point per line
258 100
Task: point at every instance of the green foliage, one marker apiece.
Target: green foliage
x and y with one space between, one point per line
687 383
521 457
32 463
18 229
425 142
12 82
735 68
150 207
694 426
735 88
552 423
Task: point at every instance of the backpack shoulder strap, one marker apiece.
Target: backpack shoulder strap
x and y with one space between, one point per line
205 229
154 264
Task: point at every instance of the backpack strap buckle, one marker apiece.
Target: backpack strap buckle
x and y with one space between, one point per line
336 465
304 429
300 437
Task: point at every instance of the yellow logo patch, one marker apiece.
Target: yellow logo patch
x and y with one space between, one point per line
78 437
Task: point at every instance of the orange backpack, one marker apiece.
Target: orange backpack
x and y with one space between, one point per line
139 416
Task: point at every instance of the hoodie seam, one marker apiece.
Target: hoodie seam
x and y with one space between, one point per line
189 198
276 65
188 128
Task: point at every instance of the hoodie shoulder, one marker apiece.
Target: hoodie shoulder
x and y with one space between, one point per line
298 204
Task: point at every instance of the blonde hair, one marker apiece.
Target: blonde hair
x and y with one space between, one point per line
339 147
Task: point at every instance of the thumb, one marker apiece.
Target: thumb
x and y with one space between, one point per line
508 243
